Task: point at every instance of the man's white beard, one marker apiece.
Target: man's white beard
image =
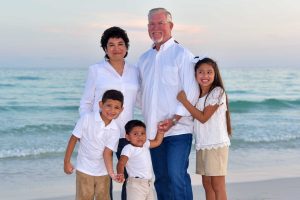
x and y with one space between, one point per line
157 41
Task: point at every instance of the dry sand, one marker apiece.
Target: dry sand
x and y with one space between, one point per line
276 189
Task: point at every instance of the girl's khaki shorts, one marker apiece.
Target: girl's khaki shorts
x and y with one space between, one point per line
212 162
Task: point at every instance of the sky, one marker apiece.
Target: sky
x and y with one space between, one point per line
66 33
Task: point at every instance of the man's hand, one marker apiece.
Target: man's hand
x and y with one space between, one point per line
164 125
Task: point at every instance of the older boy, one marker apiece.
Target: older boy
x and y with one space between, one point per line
98 136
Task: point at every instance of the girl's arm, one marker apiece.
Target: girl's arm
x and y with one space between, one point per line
201 116
108 160
68 167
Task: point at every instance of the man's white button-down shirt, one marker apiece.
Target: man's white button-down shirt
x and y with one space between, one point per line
163 74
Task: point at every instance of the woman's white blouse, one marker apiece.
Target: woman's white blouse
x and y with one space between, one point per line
213 133
101 77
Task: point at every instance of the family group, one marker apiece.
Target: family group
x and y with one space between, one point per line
180 96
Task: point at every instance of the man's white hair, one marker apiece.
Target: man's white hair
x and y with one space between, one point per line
163 10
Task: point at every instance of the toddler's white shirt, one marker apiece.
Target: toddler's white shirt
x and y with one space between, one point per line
139 162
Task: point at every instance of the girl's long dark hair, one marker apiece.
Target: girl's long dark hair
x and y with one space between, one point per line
216 83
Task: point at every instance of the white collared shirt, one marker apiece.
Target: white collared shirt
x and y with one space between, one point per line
163 74
102 77
94 137
139 162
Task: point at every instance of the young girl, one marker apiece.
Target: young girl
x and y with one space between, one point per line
212 128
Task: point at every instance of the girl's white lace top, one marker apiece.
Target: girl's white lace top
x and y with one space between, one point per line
213 133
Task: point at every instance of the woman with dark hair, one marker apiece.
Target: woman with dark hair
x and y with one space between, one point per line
112 73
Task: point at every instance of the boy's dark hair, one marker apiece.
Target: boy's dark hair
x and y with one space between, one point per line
114 95
113 32
133 123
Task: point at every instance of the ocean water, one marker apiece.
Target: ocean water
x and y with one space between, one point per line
39 108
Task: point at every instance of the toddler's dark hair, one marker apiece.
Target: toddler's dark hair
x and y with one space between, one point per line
133 123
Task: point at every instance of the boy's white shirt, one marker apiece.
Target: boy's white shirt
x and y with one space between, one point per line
94 137
139 162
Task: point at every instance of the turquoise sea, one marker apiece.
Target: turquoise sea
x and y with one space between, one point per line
39 108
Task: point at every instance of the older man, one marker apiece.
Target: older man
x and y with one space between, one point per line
164 70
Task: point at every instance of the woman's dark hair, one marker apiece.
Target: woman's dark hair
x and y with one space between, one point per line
113 32
133 123
218 82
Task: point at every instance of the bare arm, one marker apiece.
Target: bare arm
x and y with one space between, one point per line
108 160
157 140
201 116
120 167
68 167
161 130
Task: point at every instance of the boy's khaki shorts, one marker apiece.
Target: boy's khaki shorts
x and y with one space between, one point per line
88 187
212 162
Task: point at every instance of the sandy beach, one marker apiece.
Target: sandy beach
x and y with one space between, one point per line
276 189
274 175
249 179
